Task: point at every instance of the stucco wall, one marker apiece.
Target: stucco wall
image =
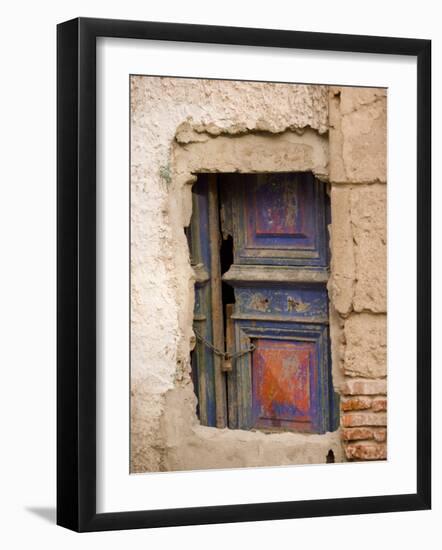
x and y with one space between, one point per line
181 126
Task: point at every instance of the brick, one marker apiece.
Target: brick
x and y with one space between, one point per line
366 345
379 405
366 451
354 434
364 419
364 387
356 404
380 435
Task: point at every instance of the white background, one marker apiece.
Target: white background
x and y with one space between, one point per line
27 305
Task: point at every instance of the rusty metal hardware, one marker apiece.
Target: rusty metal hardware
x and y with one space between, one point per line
226 357
227 365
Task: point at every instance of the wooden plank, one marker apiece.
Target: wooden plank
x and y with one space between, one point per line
232 385
279 219
216 300
289 275
284 384
202 361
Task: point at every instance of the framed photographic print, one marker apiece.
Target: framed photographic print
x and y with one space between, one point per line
243 274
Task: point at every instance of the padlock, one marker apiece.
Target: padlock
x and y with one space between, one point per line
227 363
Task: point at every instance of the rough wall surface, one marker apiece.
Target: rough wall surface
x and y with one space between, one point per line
182 126
358 282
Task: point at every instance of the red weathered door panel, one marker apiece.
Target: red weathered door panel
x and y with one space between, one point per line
283 373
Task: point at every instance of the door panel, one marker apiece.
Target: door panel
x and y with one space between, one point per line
283 373
203 371
278 219
283 302
284 383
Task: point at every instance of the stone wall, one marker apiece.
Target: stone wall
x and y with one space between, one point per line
358 282
183 126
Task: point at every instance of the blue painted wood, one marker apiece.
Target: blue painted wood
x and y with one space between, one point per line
249 378
275 220
301 303
279 219
202 357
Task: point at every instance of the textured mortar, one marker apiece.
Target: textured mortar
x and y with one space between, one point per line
182 126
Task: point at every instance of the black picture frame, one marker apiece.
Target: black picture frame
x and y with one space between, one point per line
76 273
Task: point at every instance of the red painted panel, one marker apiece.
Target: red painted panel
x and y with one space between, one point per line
280 211
282 372
276 208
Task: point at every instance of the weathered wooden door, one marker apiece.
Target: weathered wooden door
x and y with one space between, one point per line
262 357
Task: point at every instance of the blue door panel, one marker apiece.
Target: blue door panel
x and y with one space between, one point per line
202 357
278 219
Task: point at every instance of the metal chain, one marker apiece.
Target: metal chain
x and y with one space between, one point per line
224 354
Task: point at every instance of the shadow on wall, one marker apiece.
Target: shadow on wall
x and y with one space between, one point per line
45 512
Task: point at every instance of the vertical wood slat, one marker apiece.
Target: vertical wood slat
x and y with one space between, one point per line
216 300
200 251
230 336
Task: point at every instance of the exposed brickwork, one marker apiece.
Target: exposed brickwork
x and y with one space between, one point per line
364 387
364 419
356 434
379 405
364 426
380 435
366 451
356 404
